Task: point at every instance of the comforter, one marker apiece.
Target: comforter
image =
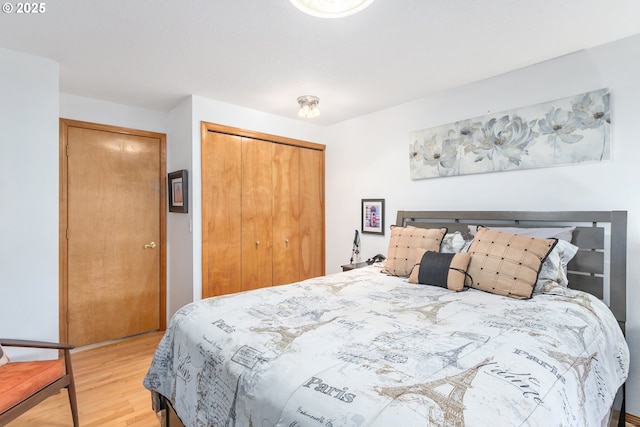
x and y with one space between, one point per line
361 348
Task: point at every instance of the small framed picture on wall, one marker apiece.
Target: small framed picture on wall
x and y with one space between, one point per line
178 192
373 216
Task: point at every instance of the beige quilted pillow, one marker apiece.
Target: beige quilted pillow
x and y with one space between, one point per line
506 263
404 241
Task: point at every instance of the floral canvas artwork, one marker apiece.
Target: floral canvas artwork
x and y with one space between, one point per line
565 131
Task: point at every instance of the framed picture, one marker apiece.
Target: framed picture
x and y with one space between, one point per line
178 191
373 216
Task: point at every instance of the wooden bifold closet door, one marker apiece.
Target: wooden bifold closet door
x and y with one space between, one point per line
221 213
256 214
262 210
286 214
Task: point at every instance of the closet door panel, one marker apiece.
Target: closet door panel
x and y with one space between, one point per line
221 220
286 214
312 263
257 213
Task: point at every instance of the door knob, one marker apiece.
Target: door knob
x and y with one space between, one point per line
150 245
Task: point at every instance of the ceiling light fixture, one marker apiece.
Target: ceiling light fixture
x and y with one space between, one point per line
331 8
308 106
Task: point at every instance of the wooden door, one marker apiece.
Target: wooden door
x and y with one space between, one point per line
312 263
286 214
221 214
257 213
113 221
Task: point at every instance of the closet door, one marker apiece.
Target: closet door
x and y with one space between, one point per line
221 214
286 214
257 213
312 213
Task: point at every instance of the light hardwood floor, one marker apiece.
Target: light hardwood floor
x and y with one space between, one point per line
108 386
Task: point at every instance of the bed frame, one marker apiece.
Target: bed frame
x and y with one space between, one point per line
599 267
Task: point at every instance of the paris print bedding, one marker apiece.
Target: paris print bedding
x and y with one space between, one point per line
361 348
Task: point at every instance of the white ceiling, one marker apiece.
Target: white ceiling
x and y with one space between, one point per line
263 54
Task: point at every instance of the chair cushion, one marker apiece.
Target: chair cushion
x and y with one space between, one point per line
19 380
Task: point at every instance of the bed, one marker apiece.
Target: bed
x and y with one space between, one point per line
365 348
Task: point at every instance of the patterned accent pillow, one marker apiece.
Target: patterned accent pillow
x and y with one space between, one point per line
455 277
4 359
505 263
453 243
554 268
403 243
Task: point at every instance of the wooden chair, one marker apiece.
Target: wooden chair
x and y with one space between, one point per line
25 384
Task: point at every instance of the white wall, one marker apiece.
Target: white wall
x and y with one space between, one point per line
180 241
368 157
29 188
109 113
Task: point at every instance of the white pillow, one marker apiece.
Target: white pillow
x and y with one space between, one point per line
560 233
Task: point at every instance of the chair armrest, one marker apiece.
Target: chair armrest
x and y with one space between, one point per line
34 344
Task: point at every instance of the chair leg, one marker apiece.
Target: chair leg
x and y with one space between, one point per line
71 389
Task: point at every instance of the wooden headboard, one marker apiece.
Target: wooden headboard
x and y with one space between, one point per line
599 267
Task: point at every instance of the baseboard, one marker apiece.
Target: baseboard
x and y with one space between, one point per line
632 419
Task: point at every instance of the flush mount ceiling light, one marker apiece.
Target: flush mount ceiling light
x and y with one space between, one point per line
331 8
308 106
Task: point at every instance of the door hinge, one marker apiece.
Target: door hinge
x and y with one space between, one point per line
67 150
67 234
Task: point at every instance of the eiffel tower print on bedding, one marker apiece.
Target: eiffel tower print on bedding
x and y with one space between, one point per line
361 348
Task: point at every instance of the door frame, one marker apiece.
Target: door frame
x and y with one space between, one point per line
63 274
